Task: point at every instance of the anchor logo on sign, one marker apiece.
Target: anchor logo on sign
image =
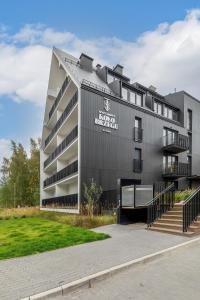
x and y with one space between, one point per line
107 104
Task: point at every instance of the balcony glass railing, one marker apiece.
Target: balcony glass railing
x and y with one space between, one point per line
137 165
67 201
65 143
59 96
177 140
177 169
64 115
67 171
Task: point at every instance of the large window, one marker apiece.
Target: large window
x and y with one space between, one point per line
168 113
138 99
158 107
132 97
189 119
124 94
169 136
169 161
137 162
138 132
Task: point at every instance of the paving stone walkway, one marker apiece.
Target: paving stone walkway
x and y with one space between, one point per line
25 276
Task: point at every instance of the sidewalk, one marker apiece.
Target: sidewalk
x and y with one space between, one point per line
29 275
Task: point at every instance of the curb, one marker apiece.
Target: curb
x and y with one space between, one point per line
88 281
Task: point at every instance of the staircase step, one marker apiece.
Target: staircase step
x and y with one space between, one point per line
174 212
194 228
172 217
171 221
167 225
177 207
171 231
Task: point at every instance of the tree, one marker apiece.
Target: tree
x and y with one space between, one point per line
92 194
34 168
19 184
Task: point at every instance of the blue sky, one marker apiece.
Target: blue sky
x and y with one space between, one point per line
128 32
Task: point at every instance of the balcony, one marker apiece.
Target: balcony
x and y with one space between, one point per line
137 134
176 170
137 165
61 92
65 172
64 202
175 143
65 143
62 118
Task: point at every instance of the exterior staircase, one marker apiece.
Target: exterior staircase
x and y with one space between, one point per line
172 222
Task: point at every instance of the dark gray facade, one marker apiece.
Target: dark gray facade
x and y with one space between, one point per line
108 155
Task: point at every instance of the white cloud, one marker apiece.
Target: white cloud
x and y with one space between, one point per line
5 149
167 57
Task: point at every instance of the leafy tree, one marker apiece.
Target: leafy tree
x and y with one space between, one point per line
19 185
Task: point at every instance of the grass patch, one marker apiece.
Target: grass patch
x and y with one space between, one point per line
69 219
25 236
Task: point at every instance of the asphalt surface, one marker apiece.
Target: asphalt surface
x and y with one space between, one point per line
175 276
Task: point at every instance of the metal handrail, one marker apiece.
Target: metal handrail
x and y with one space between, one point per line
161 193
191 196
160 204
191 209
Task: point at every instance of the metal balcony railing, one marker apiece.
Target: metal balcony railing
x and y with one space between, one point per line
65 172
137 165
175 142
137 134
67 201
64 115
177 169
61 92
65 143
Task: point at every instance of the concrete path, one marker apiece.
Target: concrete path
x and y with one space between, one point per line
170 277
29 275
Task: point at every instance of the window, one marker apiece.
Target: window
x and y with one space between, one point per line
132 97
137 162
189 119
189 160
138 132
138 154
190 142
139 99
125 94
169 136
158 107
169 163
168 113
138 122
110 78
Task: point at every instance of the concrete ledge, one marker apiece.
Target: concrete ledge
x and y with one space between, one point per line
88 281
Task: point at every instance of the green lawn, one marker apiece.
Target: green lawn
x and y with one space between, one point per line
25 236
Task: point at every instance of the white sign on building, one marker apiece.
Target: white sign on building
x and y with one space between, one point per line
106 119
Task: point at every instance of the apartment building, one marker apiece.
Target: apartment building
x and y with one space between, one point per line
98 124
